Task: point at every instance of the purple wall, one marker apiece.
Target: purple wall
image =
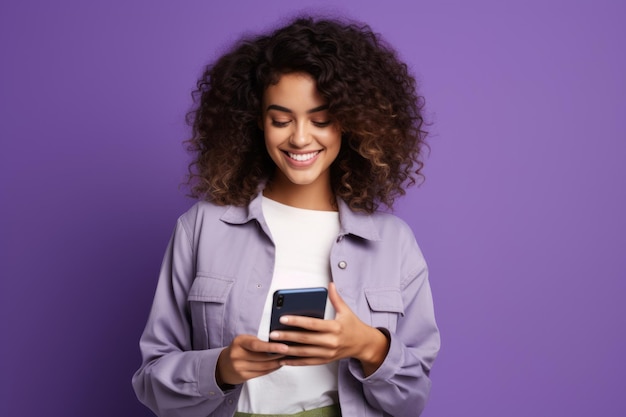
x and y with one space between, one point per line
521 217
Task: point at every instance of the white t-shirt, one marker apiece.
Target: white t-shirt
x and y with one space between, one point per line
303 240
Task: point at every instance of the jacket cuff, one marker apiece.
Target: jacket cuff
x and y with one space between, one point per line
207 384
387 369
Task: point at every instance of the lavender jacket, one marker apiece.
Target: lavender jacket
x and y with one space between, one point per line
213 285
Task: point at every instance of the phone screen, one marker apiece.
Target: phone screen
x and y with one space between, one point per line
309 302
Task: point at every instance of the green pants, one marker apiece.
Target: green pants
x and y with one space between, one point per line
329 411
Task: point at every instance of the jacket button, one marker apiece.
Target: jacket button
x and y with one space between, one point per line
343 264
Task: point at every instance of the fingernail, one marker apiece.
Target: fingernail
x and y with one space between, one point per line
284 319
274 335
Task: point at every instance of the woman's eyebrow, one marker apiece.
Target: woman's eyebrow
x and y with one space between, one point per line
286 110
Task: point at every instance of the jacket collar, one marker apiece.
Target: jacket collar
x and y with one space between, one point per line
351 222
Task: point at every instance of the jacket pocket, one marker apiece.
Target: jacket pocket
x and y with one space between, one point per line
207 303
385 306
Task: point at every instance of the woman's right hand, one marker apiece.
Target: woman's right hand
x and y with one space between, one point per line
248 357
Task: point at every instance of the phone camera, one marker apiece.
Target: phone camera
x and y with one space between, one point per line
280 301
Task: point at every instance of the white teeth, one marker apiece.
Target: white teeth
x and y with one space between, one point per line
302 156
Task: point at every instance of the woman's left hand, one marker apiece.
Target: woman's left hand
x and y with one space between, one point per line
329 340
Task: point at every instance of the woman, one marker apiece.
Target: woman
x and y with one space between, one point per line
298 136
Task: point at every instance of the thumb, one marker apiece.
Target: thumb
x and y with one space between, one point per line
336 300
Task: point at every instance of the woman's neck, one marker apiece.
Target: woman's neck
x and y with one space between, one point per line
315 196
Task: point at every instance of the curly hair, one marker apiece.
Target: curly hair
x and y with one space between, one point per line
369 91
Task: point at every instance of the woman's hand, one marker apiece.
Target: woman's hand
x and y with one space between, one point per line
329 340
248 357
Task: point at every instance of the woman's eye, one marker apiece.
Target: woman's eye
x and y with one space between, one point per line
277 123
322 124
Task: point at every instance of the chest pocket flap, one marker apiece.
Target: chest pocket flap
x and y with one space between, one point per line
385 306
209 289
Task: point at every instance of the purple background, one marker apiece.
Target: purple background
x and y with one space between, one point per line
521 217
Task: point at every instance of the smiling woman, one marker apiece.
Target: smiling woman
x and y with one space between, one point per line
298 136
302 141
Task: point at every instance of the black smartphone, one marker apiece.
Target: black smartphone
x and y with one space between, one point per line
309 302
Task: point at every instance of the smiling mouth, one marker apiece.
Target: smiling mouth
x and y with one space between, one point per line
302 157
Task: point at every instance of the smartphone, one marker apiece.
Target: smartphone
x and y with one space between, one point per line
309 302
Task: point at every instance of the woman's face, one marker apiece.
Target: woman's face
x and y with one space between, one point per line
300 136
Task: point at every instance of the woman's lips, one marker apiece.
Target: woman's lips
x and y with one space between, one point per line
302 159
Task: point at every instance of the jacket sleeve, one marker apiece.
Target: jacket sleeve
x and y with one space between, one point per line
173 379
401 385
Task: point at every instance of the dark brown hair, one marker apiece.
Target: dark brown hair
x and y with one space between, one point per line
370 93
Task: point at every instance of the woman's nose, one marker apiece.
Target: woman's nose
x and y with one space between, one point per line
301 136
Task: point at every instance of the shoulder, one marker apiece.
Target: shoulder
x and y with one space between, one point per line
375 227
202 213
203 210
398 239
385 231
390 226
